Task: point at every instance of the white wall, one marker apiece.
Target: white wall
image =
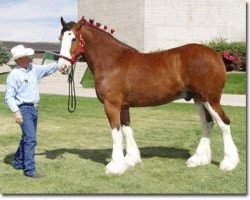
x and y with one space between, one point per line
126 17
161 24
171 23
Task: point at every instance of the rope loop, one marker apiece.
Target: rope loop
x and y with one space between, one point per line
72 92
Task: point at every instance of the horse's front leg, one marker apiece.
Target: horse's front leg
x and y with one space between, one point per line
117 164
132 152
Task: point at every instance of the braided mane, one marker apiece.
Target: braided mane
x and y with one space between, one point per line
90 23
97 26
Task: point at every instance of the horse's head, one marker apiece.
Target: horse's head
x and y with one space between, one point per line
71 48
73 43
66 26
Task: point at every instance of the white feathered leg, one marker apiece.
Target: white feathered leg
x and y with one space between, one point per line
202 155
231 157
133 154
117 164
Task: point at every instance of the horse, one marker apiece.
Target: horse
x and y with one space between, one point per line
125 77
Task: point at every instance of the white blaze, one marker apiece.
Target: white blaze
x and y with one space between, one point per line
63 64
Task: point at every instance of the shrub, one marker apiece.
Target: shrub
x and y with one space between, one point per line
4 54
221 45
235 49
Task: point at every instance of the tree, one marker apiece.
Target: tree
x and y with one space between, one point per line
5 55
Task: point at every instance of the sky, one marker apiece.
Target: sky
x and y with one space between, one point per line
34 20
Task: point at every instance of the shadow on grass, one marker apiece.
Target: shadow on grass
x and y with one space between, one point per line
9 159
101 155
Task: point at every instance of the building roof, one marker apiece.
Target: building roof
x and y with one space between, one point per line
39 47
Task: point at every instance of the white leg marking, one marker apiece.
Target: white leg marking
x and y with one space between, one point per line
117 164
133 154
202 155
231 157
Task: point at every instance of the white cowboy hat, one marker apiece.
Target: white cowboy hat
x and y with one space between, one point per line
20 51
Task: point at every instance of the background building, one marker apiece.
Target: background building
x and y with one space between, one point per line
39 47
161 24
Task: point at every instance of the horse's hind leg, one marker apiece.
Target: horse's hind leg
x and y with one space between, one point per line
202 155
132 152
231 157
117 164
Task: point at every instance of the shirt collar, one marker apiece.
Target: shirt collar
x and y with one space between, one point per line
25 70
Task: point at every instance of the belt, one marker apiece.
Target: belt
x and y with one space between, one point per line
36 105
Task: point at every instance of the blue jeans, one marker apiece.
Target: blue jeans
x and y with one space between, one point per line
25 154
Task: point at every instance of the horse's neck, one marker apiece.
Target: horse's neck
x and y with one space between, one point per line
102 48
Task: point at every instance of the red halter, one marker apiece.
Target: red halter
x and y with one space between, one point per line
80 50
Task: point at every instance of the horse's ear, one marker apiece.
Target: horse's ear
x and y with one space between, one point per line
77 26
63 22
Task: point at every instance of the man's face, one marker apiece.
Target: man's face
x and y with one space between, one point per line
23 62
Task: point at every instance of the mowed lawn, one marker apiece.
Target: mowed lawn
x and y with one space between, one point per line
73 149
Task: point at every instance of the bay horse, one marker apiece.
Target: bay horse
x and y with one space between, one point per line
125 77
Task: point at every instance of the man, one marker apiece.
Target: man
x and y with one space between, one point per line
22 96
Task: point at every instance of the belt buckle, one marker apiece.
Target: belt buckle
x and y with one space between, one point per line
36 105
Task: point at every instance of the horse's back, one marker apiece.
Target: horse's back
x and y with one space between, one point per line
191 57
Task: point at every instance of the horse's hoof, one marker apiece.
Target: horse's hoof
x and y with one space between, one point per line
195 161
192 163
132 161
229 164
116 167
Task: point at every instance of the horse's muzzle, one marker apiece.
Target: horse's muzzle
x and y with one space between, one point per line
64 70
63 66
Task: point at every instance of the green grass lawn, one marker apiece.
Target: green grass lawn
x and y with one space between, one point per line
3 78
88 80
236 83
73 149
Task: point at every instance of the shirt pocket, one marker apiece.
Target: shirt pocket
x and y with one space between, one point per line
22 83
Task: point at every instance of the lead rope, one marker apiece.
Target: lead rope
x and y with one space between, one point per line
72 92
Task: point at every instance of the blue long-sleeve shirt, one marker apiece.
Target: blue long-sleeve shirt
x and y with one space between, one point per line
22 84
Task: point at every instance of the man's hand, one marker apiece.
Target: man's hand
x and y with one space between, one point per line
19 117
